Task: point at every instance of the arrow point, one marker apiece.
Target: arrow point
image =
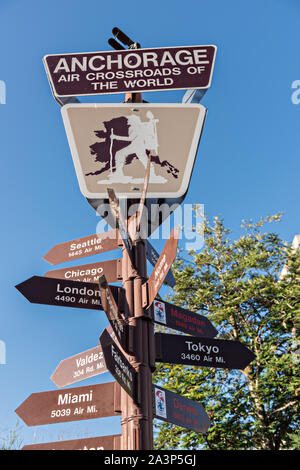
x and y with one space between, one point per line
47 257
22 287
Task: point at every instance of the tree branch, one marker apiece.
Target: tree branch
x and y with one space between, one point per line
291 403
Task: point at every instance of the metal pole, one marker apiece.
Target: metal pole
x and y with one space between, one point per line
138 418
126 439
143 322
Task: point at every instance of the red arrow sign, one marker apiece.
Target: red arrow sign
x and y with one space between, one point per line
81 247
161 268
79 367
71 404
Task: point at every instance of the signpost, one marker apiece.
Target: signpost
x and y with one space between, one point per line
206 352
71 404
130 71
119 366
79 367
143 153
183 320
174 408
91 443
81 247
43 290
90 272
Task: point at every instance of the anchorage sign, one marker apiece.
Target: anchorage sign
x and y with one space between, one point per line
171 68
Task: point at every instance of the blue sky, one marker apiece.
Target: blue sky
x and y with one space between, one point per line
247 164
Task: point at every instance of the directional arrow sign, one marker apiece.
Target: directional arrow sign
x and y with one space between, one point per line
91 443
110 307
79 367
152 257
43 290
173 408
162 267
81 247
118 365
90 272
180 319
193 351
71 404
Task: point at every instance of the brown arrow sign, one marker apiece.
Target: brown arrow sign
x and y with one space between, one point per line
71 404
174 408
161 268
91 443
90 272
81 247
110 307
79 367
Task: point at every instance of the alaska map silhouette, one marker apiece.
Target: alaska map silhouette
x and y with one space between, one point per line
102 150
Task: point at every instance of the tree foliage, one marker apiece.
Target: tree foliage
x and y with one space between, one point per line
237 285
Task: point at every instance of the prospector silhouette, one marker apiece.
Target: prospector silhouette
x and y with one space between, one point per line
142 137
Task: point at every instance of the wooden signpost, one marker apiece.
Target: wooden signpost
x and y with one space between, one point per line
129 348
